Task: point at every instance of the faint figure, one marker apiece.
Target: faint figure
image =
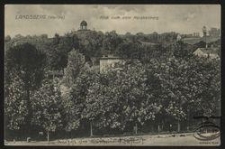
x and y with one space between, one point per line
170 128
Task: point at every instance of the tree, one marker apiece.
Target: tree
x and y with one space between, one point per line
58 52
15 105
78 78
111 41
70 115
90 43
18 37
120 99
205 85
47 108
76 64
7 38
25 64
200 44
93 103
182 50
130 48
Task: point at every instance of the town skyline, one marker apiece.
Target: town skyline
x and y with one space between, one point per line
61 19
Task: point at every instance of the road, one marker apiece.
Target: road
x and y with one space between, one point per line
186 139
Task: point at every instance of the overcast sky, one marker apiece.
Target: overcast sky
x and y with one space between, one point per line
178 18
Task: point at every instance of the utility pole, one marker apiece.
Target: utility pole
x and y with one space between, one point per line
204 30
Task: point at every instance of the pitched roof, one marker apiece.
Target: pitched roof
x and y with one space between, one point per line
209 50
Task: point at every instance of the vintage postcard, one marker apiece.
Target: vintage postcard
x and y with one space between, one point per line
112 75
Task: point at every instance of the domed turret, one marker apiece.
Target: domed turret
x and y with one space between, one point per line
83 25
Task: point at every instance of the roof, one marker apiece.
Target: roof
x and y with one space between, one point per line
209 50
110 57
83 23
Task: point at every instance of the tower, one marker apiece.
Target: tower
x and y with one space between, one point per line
204 30
83 25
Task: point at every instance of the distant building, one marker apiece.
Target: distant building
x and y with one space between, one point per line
211 53
214 32
195 34
110 61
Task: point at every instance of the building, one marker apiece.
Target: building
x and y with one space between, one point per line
192 35
110 61
211 53
214 32
195 34
83 25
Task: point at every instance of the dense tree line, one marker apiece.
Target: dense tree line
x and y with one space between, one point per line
156 88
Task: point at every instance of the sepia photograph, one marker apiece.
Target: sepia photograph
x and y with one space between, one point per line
112 75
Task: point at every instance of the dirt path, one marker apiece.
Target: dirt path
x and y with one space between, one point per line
144 140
